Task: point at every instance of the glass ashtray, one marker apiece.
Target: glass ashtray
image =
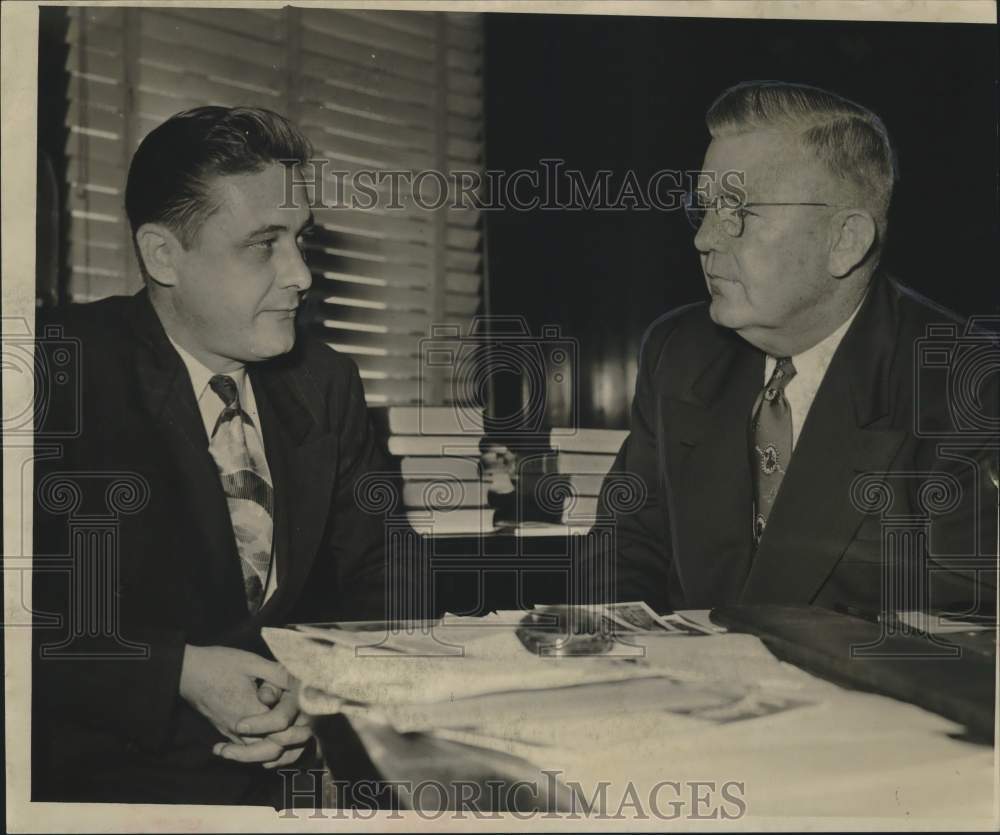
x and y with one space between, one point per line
564 631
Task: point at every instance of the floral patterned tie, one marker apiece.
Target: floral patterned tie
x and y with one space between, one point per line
771 436
239 454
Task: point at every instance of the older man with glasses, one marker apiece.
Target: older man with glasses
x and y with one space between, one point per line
783 427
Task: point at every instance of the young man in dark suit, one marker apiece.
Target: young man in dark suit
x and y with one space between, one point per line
776 427
238 448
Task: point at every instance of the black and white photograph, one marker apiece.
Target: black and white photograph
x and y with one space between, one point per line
501 415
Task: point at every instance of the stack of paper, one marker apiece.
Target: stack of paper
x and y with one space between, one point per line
454 672
438 448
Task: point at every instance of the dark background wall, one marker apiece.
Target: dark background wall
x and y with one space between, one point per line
630 93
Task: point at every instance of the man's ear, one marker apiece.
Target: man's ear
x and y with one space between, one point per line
854 234
159 249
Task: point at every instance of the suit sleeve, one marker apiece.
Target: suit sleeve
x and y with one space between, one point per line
94 664
633 553
358 532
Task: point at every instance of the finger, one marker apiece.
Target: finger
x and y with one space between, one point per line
238 703
301 721
295 735
270 671
228 734
261 751
290 756
268 694
276 719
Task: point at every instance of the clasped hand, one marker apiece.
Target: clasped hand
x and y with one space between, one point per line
251 701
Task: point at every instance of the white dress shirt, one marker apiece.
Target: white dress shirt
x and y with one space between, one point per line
210 405
810 369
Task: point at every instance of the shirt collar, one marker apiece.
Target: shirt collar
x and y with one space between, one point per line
814 361
201 374
818 357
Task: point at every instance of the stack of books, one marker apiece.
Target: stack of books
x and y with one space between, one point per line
438 451
585 457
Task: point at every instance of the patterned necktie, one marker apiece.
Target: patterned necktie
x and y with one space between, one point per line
771 434
239 454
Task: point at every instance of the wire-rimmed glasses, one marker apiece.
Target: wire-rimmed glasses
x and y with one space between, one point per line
730 212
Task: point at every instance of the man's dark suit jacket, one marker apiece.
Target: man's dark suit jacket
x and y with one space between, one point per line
690 543
116 729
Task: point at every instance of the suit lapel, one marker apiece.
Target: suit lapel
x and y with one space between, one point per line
708 479
302 457
168 399
847 431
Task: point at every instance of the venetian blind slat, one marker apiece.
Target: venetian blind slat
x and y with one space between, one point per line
374 227
422 24
217 66
263 24
373 297
162 26
371 35
394 275
338 97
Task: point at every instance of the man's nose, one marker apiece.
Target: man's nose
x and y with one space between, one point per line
295 272
710 235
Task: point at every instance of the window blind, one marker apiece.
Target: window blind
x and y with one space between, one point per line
373 90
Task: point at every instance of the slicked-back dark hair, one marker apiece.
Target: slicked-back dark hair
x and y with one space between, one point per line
170 176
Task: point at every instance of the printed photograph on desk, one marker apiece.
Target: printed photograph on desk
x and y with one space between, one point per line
540 415
640 617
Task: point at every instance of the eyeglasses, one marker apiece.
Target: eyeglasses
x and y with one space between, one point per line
731 214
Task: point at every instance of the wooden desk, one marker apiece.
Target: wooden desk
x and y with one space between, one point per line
952 676
794 744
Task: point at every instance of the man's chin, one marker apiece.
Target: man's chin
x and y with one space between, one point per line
724 313
274 344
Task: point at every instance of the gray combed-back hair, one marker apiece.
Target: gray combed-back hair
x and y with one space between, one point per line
849 139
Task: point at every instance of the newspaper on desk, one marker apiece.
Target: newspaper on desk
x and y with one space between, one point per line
472 676
668 703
